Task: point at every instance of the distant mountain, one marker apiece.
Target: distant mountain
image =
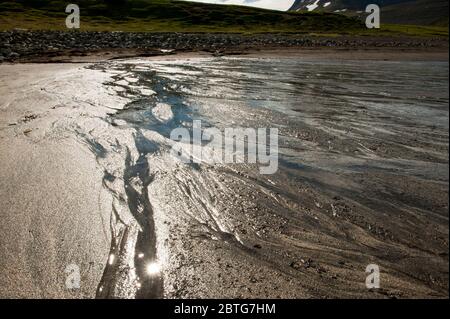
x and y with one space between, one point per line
420 12
333 5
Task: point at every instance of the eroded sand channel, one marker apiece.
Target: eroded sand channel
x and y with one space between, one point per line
87 179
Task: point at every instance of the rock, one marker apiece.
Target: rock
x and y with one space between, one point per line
29 117
296 265
162 112
14 55
306 263
23 42
5 51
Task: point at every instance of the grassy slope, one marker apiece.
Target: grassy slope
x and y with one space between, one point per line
168 15
412 30
165 15
419 12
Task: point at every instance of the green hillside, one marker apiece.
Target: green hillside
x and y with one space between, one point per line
419 12
167 15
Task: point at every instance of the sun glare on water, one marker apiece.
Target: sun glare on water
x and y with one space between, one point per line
153 268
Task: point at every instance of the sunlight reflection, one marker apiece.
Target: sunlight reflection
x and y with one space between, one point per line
153 268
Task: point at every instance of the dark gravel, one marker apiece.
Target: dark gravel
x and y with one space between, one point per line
20 44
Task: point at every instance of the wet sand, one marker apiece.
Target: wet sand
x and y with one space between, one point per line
87 180
439 53
54 210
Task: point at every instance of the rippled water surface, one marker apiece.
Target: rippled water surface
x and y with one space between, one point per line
363 177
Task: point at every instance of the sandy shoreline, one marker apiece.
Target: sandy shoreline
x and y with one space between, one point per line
62 208
374 53
55 211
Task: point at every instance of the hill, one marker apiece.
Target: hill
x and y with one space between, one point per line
167 15
419 12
